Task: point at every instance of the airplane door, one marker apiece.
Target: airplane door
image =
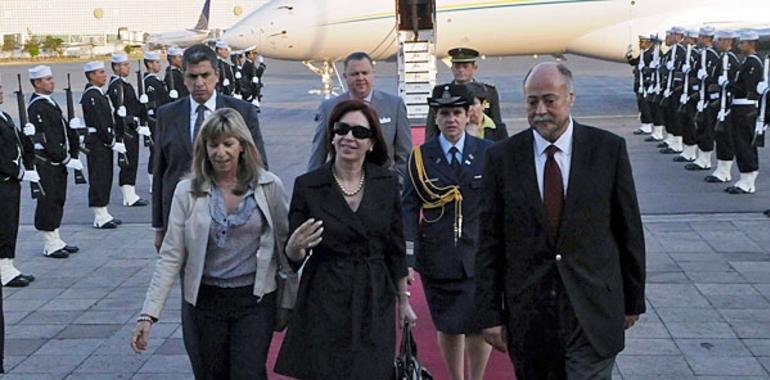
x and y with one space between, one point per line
415 15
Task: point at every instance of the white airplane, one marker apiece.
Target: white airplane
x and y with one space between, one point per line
183 38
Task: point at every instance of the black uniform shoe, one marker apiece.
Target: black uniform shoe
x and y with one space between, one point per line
652 139
17 282
767 212
736 190
27 277
117 221
662 145
60 254
713 179
683 159
695 167
669 150
641 132
139 203
71 249
107 226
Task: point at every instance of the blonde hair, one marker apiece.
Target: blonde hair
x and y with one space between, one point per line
223 123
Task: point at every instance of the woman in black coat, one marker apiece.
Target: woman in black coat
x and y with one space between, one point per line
346 222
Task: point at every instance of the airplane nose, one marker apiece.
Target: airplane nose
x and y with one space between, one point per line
242 35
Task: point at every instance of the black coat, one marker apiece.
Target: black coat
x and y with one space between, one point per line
61 142
129 100
174 80
173 148
601 259
343 326
16 155
436 255
97 114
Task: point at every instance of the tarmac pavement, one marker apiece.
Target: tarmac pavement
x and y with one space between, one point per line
708 252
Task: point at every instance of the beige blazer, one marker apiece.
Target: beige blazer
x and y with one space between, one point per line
187 235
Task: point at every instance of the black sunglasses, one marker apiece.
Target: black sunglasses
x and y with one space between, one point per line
359 132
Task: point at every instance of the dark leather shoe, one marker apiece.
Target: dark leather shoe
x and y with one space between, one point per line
27 277
669 150
713 179
641 132
651 139
662 145
60 254
695 167
736 190
139 203
107 226
767 212
683 159
71 249
117 221
17 282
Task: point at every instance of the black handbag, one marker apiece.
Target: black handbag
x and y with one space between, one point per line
406 366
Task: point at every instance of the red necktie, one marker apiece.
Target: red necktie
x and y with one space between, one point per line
553 191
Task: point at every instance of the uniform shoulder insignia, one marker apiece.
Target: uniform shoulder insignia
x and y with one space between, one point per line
39 118
488 84
93 101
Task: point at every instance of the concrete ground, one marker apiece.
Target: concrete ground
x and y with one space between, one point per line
708 253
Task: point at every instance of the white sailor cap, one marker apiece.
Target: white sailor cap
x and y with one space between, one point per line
250 49
749 35
93 66
40 71
119 57
151 56
725 34
172 51
691 33
221 44
707 31
676 30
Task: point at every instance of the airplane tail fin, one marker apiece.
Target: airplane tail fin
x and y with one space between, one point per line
203 21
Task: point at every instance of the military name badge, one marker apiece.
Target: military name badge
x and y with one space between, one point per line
384 120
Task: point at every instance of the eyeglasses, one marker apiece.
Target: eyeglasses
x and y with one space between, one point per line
359 131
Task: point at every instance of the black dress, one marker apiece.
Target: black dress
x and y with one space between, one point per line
343 326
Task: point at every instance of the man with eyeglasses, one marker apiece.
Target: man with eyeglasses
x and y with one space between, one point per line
359 75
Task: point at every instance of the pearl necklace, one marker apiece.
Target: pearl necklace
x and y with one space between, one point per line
344 190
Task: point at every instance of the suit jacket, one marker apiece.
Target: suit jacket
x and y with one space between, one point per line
173 148
436 255
431 129
184 246
601 259
395 128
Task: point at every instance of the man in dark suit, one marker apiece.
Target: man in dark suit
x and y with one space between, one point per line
359 75
561 264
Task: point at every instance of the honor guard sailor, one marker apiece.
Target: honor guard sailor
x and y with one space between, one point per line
642 79
251 83
17 159
705 118
464 70
127 110
57 153
686 104
101 144
672 82
174 77
157 95
226 84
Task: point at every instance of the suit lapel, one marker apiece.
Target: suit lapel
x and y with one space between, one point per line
579 168
527 175
183 129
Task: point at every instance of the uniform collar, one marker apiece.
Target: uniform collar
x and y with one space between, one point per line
446 145
564 142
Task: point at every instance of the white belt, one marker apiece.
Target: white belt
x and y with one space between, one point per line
744 102
91 130
39 146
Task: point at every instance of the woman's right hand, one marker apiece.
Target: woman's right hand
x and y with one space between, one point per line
140 337
306 236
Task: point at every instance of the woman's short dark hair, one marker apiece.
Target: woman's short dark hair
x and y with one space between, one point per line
198 53
379 154
478 90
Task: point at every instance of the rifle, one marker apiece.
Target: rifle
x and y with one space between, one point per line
669 78
172 92
703 102
143 100
685 98
719 127
38 139
654 90
759 129
120 121
78 128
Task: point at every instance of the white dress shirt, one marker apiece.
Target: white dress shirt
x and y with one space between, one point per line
211 106
563 157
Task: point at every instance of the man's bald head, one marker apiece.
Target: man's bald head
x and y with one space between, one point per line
549 95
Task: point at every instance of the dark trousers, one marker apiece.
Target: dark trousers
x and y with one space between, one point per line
704 129
50 208
671 119
10 196
644 109
2 333
687 122
724 139
151 147
746 155
100 167
657 113
128 174
558 349
233 332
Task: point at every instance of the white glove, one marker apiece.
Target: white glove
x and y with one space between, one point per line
122 111
29 129
74 164
255 102
226 82
144 99
666 93
761 87
119 147
31 176
701 106
722 80
75 123
260 59
238 75
654 65
683 99
150 112
670 65
630 51
721 115
255 80
759 128
686 69
81 139
702 74
144 131
238 96
173 94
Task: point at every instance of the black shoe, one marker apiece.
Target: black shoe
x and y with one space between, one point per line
27 277
736 190
652 139
663 145
641 132
60 254
767 212
117 221
17 282
107 226
71 249
669 150
713 179
695 167
683 159
139 203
